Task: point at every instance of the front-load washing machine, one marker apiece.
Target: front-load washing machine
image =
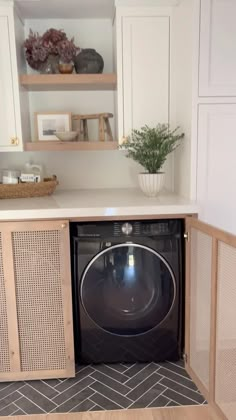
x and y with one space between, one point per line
127 290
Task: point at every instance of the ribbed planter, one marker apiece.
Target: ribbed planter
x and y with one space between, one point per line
151 184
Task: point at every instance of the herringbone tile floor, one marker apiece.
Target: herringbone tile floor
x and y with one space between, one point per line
103 387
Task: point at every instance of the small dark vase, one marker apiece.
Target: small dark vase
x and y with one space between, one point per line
89 61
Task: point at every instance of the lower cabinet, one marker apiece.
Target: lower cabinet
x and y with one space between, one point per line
36 327
211 315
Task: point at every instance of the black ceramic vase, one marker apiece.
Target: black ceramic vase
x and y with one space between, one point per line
89 61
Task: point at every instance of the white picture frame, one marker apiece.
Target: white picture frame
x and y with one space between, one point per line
47 123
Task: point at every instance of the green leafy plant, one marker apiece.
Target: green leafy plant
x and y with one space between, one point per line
151 146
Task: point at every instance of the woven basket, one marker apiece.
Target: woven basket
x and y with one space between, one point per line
26 190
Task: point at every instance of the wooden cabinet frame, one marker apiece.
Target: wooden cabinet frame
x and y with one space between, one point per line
7 229
218 237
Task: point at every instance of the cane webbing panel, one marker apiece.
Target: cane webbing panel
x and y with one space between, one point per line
4 344
226 331
200 304
37 260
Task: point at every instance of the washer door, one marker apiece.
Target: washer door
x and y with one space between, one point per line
128 289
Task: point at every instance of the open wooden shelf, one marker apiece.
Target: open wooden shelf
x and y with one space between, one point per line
52 82
73 145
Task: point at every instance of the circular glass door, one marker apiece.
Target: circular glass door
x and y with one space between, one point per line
128 289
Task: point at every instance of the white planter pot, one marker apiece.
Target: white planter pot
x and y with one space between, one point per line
151 184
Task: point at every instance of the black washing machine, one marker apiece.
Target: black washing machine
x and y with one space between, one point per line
127 290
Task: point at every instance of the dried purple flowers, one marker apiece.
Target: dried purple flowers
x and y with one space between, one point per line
52 42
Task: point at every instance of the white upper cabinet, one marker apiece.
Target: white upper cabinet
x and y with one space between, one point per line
217 48
10 132
143 71
216 165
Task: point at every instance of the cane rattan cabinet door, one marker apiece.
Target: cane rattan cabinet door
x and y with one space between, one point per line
198 314
225 360
40 334
4 341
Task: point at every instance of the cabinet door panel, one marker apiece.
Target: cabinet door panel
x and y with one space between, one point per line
36 259
225 382
217 48
216 175
4 341
199 309
210 324
7 106
145 72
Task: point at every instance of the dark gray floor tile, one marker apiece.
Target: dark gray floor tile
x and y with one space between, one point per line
195 396
176 369
9 399
63 386
96 408
28 406
52 382
106 380
74 401
178 398
45 389
120 377
177 378
19 412
70 392
4 385
172 404
118 367
143 374
37 398
10 389
180 363
144 386
112 395
133 370
148 397
104 402
8 410
84 406
160 401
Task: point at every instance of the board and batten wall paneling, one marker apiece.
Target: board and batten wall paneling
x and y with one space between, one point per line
216 165
217 71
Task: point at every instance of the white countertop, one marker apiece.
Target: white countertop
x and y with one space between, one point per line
95 203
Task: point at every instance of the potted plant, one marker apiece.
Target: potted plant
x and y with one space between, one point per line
150 147
67 52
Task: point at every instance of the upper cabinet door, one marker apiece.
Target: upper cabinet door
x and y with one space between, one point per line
145 81
216 176
217 48
10 135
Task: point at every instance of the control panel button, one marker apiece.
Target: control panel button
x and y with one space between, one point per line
127 228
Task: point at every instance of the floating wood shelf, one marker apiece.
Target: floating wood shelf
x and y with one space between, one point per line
52 82
73 145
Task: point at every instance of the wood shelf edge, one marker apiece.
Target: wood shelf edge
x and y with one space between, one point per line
63 81
65 146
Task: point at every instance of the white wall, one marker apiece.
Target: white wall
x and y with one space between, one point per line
105 169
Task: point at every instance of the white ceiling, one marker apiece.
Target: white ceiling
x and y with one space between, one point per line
67 9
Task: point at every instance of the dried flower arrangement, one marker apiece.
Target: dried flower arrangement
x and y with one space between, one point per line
53 42
67 50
